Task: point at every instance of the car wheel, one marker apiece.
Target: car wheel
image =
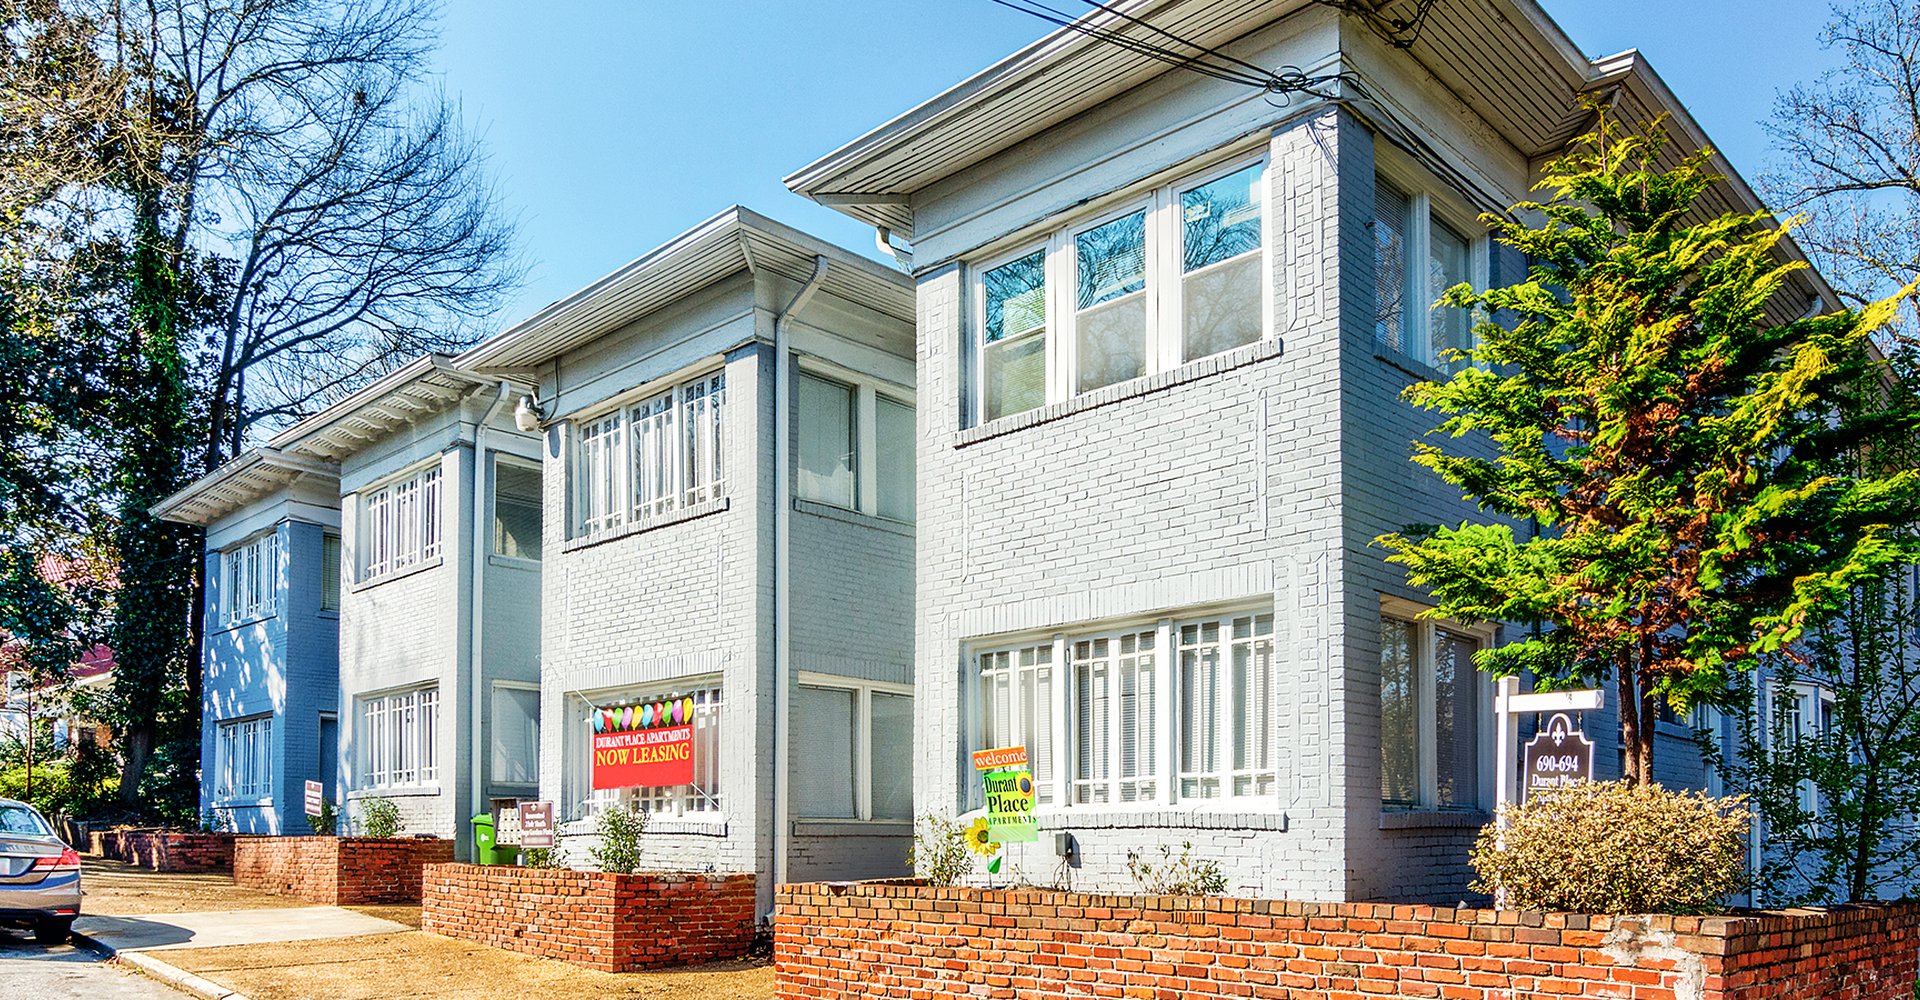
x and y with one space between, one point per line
53 931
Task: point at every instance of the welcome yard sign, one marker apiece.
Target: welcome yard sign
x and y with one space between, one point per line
1009 786
643 746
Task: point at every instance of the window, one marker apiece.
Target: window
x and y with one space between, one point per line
516 734
1802 711
1178 276
516 509
651 458
1416 258
700 799
1433 703
894 436
399 745
1102 709
855 753
252 578
825 464
329 572
403 523
243 763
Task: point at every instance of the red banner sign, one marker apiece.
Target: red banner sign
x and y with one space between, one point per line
643 758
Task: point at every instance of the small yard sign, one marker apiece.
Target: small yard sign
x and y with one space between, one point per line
1559 755
1009 784
316 798
644 745
536 825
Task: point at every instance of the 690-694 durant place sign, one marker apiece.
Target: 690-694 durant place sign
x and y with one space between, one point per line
647 745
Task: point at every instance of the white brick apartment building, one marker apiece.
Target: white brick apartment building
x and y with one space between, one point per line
1163 325
439 606
728 479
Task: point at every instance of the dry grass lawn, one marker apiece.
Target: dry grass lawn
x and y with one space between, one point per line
415 964
120 890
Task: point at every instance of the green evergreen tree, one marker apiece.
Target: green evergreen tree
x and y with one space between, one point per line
1674 443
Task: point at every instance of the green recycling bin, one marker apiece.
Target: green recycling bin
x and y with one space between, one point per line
485 851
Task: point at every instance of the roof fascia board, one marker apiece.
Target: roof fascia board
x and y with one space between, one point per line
253 459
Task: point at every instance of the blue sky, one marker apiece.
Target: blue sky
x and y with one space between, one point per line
614 125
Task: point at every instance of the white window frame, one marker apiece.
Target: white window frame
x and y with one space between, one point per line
867 392
1055 776
703 801
1164 273
503 458
1425 204
243 750
1426 754
863 691
250 577
403 521
698 470
1811 704
387 759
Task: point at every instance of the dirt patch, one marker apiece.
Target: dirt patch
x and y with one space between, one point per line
414 964
404 913
114 889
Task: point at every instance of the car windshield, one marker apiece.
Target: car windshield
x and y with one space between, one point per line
20 819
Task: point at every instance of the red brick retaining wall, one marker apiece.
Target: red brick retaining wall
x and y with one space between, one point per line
905 941
338 871
599 920
166 851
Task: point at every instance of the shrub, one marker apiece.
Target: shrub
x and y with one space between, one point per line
1611 847
1185 875
379 817
541 857
619 829
323 824
939 852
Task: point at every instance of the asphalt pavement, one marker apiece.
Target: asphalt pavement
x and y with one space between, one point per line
68 972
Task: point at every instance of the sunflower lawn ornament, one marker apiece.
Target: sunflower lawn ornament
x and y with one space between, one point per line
981 842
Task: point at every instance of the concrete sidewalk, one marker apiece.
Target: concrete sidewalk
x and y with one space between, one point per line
130 939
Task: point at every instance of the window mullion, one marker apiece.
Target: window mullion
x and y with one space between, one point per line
1062 358
1425 708
1419 300
1163 281
1226 693
863 753
1063 739
1166 712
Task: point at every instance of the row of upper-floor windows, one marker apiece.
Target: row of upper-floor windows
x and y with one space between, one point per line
250 573
1185 271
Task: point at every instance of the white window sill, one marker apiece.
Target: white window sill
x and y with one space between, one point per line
513 562
1199 815
1433 819
852 827
1192 371
253 619
684 514
394 792
397 574
662 827
834 513
263 802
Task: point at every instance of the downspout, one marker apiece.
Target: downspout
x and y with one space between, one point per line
783 565
476 632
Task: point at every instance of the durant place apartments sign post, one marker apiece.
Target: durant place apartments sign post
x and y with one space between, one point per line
1561 754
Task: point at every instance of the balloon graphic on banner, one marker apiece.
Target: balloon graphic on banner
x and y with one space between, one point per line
599 724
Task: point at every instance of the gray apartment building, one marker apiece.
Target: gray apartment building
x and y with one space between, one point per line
727 440
1163 324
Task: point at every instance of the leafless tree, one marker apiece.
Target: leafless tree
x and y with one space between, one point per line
1849 155
342 195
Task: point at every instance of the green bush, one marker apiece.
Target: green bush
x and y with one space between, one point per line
72 786
379 817
939 853
324 824
619 828
1611 847
1185 875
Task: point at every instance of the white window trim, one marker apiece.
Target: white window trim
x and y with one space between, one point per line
585 802
337 581
1426 202
1426 697
1164 285
230 737
493 489
426 737
868 391
1166 774
498 686
411 546
625 500
1819 698
864 691
262 577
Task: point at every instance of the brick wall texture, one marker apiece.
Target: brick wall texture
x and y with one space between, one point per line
163 851
906 941
338 871
597 920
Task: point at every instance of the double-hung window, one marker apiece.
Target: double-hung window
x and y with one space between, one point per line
853 447
252 578
399 742
244 759
516 508
1162 712
1433 707
854 760
1178 275
1417 256
1802 712
652 457
403 523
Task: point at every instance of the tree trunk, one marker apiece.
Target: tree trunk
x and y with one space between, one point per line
1627 688
1863 838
